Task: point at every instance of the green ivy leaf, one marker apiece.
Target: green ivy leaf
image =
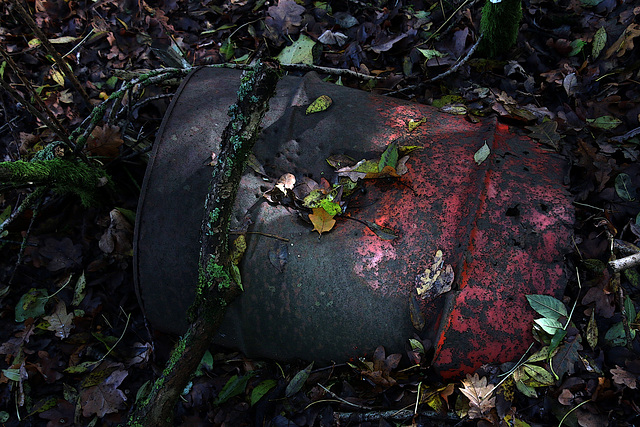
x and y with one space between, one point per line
547 306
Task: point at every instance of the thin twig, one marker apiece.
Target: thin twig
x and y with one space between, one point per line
52 51
460 62
356 417
34 111
451 70
329 70
53 122
346 402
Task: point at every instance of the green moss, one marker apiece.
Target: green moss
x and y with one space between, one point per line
499 26
64 176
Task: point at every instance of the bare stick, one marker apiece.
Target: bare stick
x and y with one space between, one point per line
346 402
403 414
621 264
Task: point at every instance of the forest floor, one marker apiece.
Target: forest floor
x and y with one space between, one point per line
76 349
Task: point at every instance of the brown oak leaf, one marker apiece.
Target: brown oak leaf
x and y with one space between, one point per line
622 377
104 398
478 391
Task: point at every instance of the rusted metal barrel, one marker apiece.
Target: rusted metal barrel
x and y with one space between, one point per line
504 225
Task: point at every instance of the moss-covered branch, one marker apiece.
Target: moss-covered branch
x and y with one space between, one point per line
63 176
216 284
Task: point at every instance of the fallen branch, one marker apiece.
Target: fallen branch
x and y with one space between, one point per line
621 264
393 415
217 283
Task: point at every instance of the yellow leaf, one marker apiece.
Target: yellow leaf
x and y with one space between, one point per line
57 77
413 124
322 221
320 104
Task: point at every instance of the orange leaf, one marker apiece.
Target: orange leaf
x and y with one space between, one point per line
322 221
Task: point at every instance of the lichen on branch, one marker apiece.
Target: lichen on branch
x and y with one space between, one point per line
217 284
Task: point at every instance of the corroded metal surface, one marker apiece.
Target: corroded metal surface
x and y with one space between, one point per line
503 225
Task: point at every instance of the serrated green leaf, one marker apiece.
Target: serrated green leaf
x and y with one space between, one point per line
599 41
605 122
548 325
320 104
625 188
233 387
482 153
547 306
261 389
295 385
